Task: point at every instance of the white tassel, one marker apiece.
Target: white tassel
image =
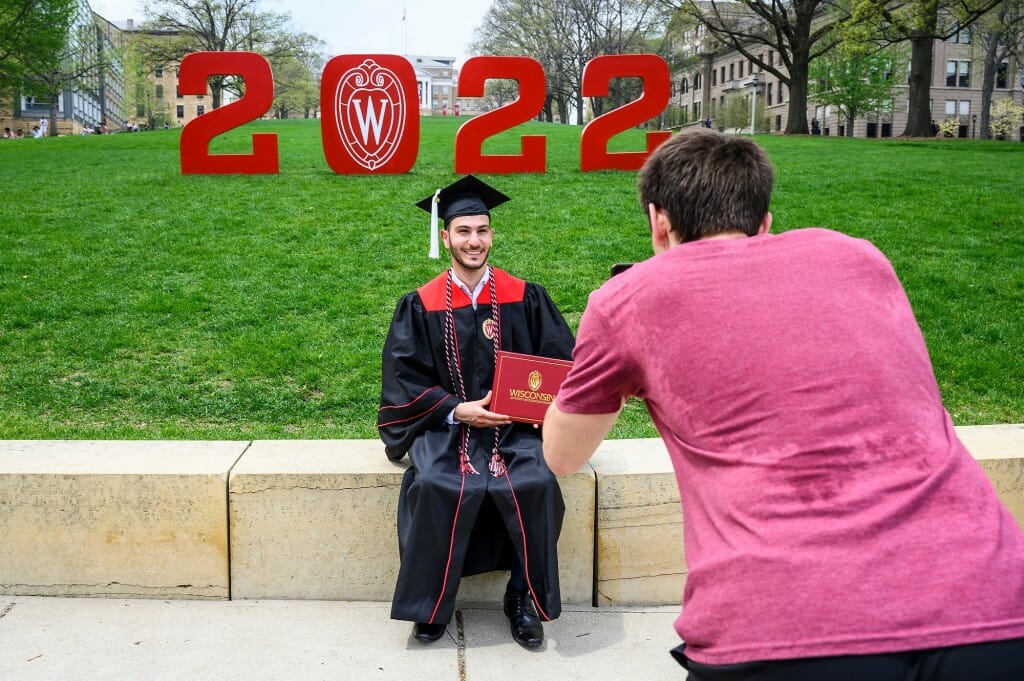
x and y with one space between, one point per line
433 225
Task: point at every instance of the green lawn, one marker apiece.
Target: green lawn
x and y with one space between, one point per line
138 303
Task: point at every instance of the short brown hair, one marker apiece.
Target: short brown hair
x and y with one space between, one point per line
708 183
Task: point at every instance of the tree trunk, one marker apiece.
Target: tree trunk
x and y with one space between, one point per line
563 110
796 122
850 117
51 129
579 108
988 82
919 118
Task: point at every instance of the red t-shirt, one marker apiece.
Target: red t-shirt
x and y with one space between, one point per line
829 507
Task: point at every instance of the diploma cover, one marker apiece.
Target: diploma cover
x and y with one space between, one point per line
524 385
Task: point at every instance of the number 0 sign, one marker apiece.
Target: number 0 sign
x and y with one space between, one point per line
371 122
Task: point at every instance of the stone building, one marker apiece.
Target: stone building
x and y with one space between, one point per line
156 101
701 90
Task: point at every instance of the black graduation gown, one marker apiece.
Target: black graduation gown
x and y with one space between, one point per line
452 525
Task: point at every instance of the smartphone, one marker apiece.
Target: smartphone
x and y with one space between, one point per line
620 267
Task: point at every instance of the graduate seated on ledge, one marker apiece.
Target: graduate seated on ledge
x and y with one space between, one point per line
478 496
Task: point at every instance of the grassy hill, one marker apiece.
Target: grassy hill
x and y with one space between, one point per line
139 303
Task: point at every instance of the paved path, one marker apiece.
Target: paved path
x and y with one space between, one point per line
70 639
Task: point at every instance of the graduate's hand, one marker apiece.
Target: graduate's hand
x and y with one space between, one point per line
476 414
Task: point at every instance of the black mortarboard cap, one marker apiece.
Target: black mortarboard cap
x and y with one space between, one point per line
466 196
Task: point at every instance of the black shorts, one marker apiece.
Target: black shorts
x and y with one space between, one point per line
992 661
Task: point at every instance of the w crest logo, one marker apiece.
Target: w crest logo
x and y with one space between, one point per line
372 124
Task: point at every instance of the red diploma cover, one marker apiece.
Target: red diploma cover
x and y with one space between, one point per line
524 385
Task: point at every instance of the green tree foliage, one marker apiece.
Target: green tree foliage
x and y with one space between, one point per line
32 35
140 100
296 88
735 114
855 81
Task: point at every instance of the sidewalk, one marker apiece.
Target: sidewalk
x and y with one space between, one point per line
71 639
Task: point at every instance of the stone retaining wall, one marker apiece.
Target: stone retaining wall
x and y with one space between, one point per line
316 519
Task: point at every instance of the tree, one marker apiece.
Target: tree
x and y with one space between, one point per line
855 81
563 35
521 27
921 23
1001 36
179 27
32 32
799 31
140 98
735 113
618 27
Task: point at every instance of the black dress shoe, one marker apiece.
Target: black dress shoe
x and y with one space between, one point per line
422 631
523 620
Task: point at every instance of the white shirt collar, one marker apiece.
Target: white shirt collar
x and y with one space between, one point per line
475 293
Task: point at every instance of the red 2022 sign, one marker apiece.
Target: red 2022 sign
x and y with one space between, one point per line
370 114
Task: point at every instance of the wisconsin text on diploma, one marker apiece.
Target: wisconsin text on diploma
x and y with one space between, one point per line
530 396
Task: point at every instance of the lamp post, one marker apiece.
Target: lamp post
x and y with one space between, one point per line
755 88
974 120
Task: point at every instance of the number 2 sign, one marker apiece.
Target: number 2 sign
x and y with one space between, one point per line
370 114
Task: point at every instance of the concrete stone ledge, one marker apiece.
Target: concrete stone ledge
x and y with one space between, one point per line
316 520
639 543
639 547
125 519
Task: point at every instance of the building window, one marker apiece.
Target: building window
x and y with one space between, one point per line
768 94
200 110
1001 71
962 36
732 72
950 107
159 91
965 107
741 69
696 82
181 111
958 74
159 72
714 77
723 75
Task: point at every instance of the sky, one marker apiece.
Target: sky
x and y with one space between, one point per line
438 28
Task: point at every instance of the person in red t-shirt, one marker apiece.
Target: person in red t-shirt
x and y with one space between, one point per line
835 526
